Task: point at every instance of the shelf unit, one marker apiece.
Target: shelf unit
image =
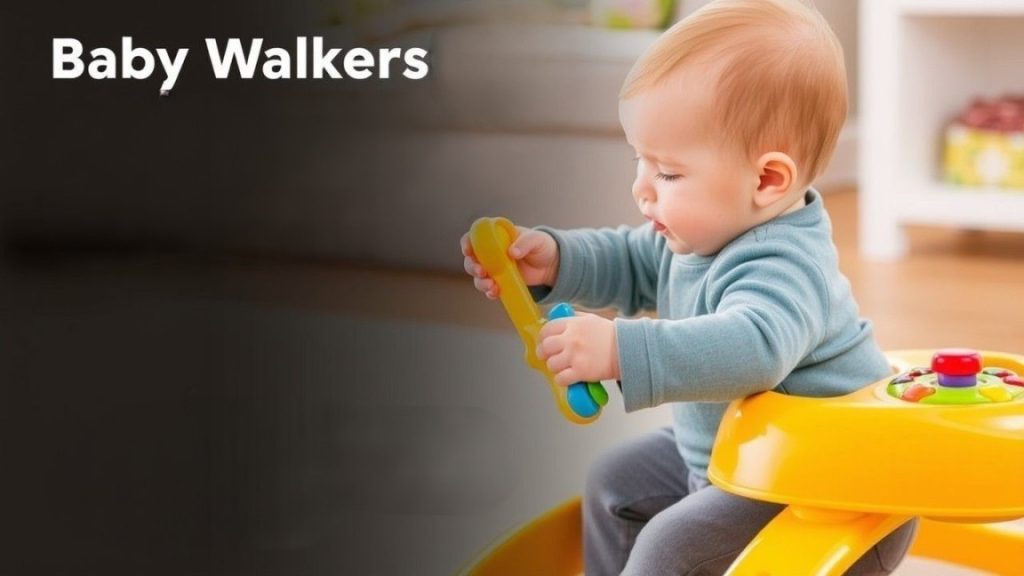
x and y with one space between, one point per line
922 62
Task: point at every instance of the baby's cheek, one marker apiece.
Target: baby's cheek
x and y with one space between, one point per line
694 226
700 232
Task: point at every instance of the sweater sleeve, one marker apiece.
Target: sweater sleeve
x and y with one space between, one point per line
606 267
768 313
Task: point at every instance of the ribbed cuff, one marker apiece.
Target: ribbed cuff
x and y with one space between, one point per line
634 363
570 271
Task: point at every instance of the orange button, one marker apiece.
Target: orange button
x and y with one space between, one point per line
916 392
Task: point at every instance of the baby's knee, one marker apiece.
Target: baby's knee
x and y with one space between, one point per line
637 479
605 479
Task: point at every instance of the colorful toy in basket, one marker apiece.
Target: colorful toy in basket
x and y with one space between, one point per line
985 145
853 468
631 13
491 237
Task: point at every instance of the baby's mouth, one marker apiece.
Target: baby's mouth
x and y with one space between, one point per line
658 226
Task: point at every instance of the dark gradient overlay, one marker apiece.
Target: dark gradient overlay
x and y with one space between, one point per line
152 422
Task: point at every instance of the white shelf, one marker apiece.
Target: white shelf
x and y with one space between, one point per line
961 7
922 62
959 207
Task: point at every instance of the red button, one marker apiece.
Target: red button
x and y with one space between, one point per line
957 362
1014 380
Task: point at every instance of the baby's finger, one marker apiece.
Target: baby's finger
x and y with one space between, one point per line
549 347
484 285
473 268
567 377
467 246
528 241
558 363
553 328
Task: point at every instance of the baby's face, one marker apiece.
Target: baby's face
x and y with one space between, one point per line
698 192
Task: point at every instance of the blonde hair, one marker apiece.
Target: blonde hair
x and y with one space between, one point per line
782 80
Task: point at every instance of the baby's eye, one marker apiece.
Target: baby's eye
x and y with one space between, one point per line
668 177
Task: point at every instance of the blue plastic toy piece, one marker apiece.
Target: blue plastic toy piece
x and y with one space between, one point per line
563 310
580 401
583 398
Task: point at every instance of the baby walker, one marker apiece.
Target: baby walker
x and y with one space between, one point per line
945 434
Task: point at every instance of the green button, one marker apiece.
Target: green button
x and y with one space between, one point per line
598 393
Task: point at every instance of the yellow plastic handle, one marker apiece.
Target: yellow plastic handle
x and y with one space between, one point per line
816 542
491 239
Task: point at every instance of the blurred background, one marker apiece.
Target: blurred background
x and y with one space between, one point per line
235 337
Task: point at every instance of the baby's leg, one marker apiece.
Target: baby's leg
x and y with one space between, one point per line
703 533
625 488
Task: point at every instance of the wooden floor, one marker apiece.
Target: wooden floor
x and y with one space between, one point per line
956 288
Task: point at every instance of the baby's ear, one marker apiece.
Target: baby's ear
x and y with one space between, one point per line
777 173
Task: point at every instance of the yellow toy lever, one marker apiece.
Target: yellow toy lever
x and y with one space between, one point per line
491 238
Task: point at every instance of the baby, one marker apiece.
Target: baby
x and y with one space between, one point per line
733 113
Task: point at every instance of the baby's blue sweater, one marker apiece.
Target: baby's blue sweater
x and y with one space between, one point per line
769 311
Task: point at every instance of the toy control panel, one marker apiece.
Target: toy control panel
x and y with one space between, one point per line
956 376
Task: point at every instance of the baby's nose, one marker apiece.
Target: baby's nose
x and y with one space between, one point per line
643 192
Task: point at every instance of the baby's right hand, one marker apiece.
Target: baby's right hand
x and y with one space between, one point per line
535 253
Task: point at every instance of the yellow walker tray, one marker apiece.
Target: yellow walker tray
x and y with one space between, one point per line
853 468
942 439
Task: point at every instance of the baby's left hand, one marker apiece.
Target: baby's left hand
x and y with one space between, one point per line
580 349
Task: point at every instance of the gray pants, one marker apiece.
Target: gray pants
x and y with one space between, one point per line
643 515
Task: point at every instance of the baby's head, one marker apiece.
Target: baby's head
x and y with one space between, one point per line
733 112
